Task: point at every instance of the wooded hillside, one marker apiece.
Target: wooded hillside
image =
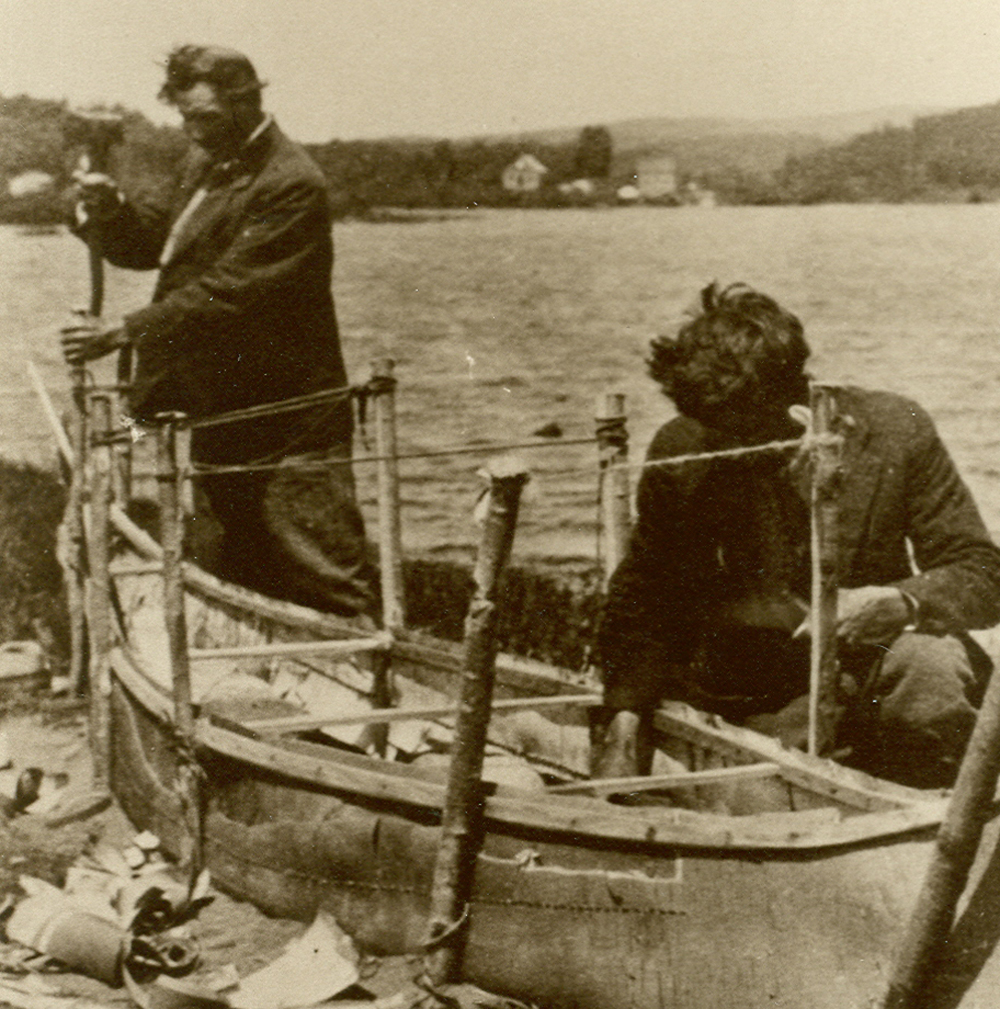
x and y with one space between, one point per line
954 156
951 156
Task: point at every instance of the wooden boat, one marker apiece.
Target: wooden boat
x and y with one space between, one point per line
740 874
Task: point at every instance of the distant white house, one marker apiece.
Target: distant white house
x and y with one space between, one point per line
29 183
524 175
578 187
695 195
656 177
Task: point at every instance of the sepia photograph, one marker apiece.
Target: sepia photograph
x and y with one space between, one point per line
499 504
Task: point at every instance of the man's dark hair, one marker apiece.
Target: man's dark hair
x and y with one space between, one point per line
228 71
740 352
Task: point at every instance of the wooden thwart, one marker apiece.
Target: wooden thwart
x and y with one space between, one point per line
345 646
679 779
306 722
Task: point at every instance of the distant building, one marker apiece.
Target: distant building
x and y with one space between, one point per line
578 187
656 177
628 194
695 195
524 175
29 183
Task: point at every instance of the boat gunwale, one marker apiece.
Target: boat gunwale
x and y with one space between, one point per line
574 818
915 811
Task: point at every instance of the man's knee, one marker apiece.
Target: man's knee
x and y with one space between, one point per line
621 743
924 680
917 714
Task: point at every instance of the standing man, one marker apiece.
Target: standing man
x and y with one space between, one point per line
708 604
242 315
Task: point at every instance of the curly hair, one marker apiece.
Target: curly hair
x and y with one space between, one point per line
228 71
740 352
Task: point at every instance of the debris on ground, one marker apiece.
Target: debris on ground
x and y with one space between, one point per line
93 915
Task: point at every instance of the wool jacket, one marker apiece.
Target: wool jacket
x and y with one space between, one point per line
242 313
727 539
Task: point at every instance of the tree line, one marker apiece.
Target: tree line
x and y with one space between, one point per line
952 156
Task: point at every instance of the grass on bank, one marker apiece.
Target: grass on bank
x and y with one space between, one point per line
541 616
32 596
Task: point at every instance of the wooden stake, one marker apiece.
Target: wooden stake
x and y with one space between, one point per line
172 534
954 852
73 526
616 517
389 526
460 818
389 539
823 663
99 591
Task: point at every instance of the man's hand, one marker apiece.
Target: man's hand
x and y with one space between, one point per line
98 197
87 339
872 615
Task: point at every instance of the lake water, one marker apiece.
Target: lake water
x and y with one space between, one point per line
504 321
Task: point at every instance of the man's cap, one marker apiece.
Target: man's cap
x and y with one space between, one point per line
228 70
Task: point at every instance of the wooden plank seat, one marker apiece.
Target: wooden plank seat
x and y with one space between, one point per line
656 782
304 723
344 646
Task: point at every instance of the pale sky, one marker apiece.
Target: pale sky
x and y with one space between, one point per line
371 68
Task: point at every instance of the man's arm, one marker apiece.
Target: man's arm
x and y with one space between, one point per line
650 623
958 587
132 233
265 260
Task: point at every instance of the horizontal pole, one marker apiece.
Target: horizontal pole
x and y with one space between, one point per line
346 646
686 779
377 715
144 568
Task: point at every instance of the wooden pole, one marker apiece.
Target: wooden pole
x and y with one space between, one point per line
825 494
612 447
390 535
99 593
170 480
460 817
389 539
74 533
954 852
121 453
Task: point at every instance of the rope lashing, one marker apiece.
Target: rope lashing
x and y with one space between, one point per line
724 453
271 409
377 385
318 464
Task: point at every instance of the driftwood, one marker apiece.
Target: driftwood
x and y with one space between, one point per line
954 852
463 798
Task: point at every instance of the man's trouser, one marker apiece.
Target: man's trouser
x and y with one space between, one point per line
907 710
292 533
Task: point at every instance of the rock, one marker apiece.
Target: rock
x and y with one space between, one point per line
23 667
550 430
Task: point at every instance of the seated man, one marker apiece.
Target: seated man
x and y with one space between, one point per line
706 604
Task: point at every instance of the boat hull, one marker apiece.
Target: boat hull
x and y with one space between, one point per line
555 924
574 902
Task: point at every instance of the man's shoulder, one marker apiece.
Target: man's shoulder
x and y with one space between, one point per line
289 159
680 435
882 410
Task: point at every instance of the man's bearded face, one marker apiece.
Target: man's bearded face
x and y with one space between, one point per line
211 120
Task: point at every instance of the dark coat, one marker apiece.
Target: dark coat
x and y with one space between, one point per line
731 537
243 311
